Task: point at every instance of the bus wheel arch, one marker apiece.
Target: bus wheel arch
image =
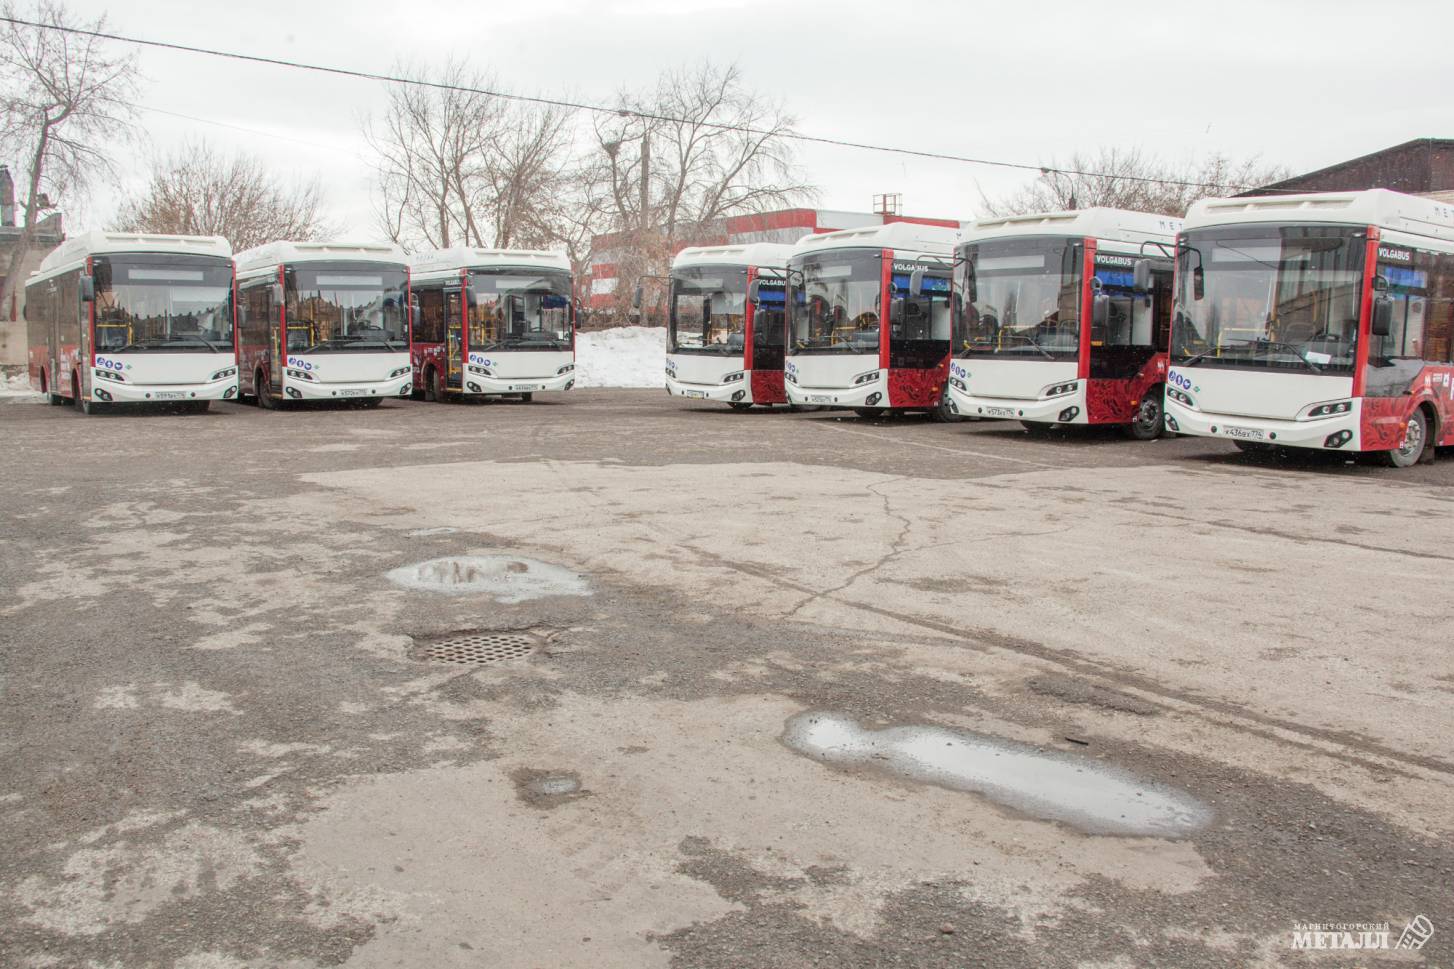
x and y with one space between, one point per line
1415 443
1149 421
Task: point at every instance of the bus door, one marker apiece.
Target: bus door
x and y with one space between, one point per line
454 345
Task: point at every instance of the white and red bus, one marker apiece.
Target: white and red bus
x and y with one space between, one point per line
869 319
1316 321
119 317
493 322
1064 318
726 327
323 321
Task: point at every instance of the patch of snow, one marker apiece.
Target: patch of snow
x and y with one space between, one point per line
623 356
18 385
504 578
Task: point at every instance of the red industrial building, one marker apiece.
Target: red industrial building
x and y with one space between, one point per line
784 226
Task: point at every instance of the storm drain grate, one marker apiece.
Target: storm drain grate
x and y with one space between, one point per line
477 649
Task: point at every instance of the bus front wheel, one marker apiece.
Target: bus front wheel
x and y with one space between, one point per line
1416 439
265 398
1149 421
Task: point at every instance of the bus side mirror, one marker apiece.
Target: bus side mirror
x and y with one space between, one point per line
753 296
277 291
637 297
1382 322
1100 309
916 282
87 289
1198 283
1141 276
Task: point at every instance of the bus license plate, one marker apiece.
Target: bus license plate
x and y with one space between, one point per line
1245 433
817 398
699 394
169 395
527 386
351 393
999 412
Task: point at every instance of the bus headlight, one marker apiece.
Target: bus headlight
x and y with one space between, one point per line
866 378
958 384
1060 390
1180 397
734 377
109 375
566 369
300 375
1328 410
398 373
224 374
482 371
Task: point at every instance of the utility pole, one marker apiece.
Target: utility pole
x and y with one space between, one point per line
646 180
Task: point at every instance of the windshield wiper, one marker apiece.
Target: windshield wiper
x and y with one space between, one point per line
1290 348
1034 343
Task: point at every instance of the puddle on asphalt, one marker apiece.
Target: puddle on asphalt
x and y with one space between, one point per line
505 578
1050 785
547 789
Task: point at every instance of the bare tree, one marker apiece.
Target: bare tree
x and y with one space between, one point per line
1130 179
677 160
65 108
710 147
198 191
456 166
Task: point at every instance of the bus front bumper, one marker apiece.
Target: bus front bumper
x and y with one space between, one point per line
1337 433
475 383
304 390
735 392
127 393
1062 409
873 394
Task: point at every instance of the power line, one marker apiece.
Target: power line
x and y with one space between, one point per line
594 108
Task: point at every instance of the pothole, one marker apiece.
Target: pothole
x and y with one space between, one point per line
547 788
477 648
504 578
1051 785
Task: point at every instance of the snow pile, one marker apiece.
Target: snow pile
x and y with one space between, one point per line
17 385
624 356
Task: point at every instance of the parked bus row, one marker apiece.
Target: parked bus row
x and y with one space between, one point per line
134 318
1304 321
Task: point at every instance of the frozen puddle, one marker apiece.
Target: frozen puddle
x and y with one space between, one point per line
1045 784
505 578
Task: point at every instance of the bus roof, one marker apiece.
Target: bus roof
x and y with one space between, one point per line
1114 225
78 247
466 257
768 254
277 253
908 236
1378 206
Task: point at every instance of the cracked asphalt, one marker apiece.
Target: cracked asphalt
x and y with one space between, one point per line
224 743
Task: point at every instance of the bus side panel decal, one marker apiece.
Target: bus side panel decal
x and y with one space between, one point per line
767 387
1381 426
917 388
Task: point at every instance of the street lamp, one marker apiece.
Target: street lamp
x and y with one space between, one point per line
1047 172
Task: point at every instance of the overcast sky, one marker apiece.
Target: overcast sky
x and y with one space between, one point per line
1302 83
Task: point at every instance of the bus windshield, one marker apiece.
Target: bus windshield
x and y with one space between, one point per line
1269 298
163 303
834 306
1020 299
520 309
349 308
708 310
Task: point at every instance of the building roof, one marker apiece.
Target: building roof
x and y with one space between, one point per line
1413 166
